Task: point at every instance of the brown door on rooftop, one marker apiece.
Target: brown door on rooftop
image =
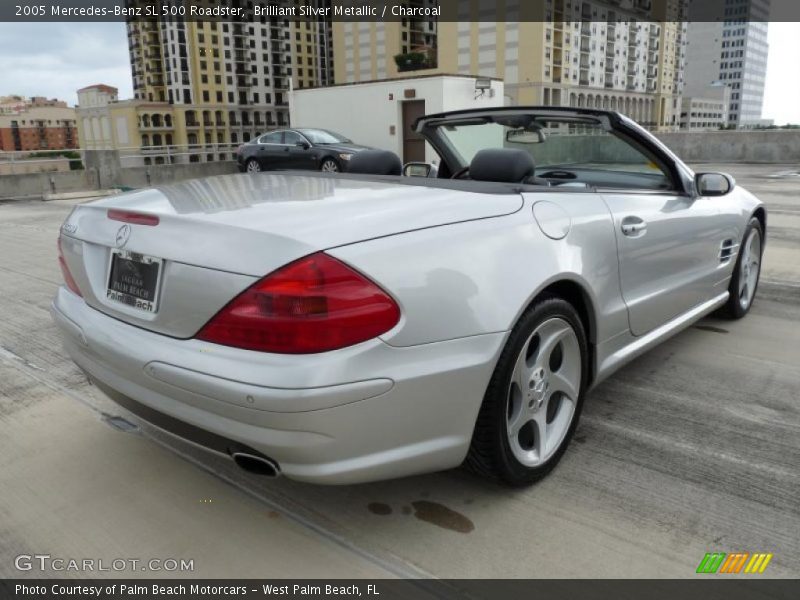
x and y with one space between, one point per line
413 143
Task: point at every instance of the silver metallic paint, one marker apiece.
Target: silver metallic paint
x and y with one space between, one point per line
462 266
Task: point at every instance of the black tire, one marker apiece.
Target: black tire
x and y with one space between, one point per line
490 453
253 166
332 161
733 308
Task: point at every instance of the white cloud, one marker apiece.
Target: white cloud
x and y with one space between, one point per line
783 84
56 59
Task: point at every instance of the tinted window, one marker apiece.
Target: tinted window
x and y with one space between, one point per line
276 137
322 136
291 138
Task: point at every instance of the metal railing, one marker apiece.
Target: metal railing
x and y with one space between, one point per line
176 154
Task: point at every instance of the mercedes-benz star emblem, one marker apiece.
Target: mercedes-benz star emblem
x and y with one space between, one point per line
122 235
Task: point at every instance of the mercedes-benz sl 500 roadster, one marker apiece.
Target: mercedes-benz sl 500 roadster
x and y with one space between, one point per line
388 321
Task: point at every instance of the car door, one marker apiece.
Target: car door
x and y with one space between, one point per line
271 152
668 251
299 154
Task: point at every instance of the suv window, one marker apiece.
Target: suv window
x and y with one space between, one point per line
276 137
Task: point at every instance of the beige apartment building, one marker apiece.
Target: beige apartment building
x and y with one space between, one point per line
210 86
625 55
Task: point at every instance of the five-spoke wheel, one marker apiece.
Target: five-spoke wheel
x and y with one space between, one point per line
749 268
744 278
534 398
543 392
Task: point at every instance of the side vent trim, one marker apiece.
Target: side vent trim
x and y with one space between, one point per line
728 250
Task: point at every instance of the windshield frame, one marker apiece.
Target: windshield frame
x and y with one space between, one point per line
430 127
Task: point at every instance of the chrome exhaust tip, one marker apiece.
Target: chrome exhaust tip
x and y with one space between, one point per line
258 465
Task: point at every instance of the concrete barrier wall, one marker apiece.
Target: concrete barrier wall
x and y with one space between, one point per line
771 146
139 177
105 173
36 185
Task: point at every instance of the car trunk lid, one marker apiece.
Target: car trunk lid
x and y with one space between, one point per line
217 236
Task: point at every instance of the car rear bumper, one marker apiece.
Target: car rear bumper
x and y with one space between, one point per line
363 413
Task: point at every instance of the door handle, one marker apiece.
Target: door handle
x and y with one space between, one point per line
633 226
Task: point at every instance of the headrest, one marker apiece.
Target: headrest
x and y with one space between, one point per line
510 165
375 162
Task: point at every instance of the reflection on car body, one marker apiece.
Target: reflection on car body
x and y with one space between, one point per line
348 327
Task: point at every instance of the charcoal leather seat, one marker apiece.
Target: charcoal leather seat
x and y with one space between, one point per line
507 165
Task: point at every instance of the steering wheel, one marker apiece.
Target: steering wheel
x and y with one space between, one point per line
460 173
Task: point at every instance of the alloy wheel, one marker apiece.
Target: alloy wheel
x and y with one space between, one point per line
749 268
543 392
253 167
329 166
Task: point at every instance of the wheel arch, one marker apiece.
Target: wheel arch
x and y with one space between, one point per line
761 214
579 297
330 156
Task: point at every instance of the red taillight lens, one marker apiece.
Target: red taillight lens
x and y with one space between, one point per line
127 216
68 279
312 305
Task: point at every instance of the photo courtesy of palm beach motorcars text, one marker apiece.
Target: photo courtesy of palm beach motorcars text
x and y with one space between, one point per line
399 299
193 590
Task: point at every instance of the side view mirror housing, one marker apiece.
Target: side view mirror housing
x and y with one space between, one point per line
419 169
303 145
714 184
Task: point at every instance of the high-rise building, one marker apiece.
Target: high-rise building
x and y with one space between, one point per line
312 50
733 51
222 83
625 55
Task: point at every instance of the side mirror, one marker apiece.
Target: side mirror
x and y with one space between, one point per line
418 169
714 184
303 145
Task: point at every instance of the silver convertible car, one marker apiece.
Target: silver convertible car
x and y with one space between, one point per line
349 327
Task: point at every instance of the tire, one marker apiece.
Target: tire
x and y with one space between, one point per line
253 166
746 272
546 349
330 165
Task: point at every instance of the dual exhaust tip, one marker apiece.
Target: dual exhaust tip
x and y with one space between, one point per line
256 464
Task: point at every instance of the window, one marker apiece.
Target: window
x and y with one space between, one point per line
581 147
275 137
292 138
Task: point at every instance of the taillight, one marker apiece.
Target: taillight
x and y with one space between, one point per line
314 304
127 216
68 279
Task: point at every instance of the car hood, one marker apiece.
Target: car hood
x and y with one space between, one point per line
254 223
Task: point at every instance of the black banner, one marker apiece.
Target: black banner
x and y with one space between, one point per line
734 588
397 10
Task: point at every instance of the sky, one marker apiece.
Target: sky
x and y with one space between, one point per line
55 59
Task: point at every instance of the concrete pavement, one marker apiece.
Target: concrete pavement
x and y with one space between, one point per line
692 448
